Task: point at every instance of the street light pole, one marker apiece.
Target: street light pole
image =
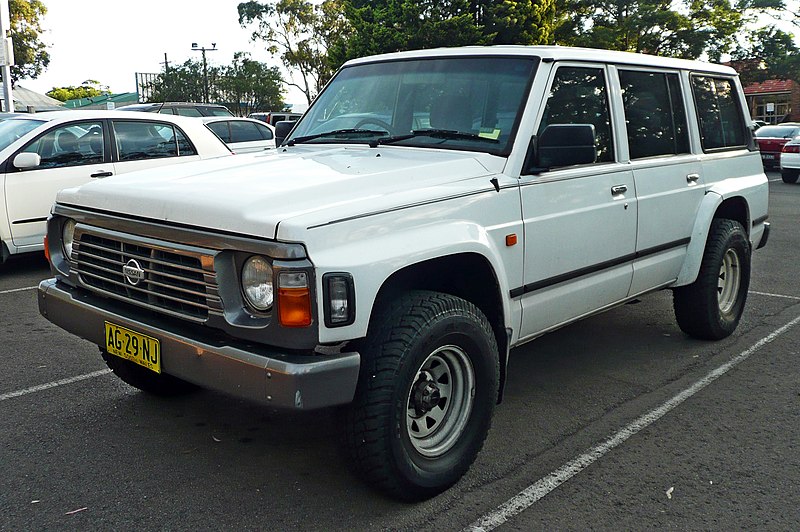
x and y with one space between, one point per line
203 49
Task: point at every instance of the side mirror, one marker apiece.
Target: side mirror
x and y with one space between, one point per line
26 160
562 145
282 130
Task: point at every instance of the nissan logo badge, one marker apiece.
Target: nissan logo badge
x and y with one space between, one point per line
133 272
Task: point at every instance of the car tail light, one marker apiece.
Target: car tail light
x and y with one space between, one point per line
791 148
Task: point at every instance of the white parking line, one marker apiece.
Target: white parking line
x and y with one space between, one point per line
530 495
774 295
47 386
17 290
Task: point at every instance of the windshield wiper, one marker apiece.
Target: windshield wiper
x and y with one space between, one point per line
437 134
335 132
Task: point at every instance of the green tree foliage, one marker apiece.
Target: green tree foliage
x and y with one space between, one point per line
300 33
184 83
517 22
394 25
767 53
244 86
251 86
676 28
87 89
30 53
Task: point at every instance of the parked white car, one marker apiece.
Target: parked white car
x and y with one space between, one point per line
45 152
242 135
790 161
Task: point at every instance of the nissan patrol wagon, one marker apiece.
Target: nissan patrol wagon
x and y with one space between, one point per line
430 211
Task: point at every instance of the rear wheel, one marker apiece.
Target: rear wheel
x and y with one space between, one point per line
146 380
790 176
427 389
710 308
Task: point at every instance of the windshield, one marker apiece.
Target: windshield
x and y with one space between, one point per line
778 132
11 130
465 103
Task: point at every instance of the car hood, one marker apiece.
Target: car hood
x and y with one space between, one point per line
253 194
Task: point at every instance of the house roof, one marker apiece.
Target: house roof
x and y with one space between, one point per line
24 98
101 101
771 85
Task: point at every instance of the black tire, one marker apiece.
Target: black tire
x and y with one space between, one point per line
427 388
159 384
790 176
710 308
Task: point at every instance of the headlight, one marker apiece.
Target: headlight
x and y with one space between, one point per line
67 237
257 283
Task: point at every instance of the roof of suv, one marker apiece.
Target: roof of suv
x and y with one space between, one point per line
553 53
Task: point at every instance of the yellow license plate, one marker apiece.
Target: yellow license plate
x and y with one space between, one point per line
133 346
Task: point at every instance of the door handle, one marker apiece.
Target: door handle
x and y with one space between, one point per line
692 178
616 190
102 174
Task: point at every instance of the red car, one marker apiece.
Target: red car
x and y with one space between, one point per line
771 140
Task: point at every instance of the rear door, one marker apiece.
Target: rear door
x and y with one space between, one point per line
71 155
668 177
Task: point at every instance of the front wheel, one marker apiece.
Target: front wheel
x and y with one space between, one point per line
710 308
427 389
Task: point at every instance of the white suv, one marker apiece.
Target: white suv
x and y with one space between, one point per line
430 211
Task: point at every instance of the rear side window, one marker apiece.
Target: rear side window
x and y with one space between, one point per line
150 140
244 132
719 113
579 96
655 117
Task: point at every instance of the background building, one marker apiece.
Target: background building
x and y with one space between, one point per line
774 101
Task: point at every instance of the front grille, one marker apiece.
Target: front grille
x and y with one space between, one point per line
158 277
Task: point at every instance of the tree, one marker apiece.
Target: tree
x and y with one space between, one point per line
184 83
767 53
251 86
30 53
300 33
87 89
384 26
518 22
676 28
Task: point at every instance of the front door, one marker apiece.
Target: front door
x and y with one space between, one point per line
71 155
580 221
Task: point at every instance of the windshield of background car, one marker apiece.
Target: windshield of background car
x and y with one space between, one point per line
778 132
464 103
11 130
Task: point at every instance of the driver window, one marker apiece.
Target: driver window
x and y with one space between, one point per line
75 144
579 96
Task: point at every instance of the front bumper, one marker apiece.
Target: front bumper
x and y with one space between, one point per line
250 371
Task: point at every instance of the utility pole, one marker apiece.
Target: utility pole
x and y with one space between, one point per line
6 55
203 49
167 81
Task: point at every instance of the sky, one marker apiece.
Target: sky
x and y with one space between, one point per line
110 41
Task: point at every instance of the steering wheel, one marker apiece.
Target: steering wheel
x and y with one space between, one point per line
377 122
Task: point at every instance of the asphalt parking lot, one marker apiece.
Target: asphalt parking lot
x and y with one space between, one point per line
616 422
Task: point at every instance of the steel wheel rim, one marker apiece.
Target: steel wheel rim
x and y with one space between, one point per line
440 400
730 277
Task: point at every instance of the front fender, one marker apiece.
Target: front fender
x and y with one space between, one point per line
372 262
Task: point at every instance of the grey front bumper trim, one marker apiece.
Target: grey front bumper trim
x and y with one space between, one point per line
279 379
